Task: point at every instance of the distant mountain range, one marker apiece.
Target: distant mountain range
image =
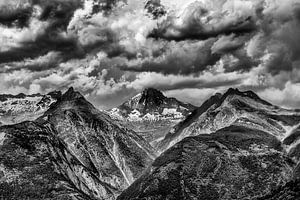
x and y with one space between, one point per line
234 146
21 107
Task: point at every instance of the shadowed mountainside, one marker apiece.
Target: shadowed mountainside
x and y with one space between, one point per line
232 163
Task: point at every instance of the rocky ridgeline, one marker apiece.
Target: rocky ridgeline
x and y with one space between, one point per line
73 151
234 146
234 108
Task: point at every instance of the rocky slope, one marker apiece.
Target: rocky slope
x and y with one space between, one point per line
235 146
151 114
21 107
74 150
234 108
233 163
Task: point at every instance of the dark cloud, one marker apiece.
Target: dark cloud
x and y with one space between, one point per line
196 84
227 44
239 61
53 19
57 12
50 41
46 62
196 23
110 47
155 9
105 5
11 16
180 58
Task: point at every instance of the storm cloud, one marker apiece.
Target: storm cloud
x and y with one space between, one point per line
117 48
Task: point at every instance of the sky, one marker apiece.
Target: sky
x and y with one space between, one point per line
110 50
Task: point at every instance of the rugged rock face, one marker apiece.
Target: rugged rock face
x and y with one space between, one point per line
21 107
232 163
234 108
81 149
292 142
235 146
27 169
289 191
151 114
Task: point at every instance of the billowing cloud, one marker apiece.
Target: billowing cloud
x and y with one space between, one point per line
15 13
178 58
202 21
112 49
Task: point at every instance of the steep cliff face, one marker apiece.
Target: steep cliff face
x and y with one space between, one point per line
151 114
21 107
234 108
232 163
96 157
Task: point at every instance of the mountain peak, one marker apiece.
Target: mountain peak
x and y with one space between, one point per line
152 92
249 94
71 94
154 105
233 90
152 97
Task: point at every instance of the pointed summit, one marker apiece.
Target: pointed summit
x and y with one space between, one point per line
71 94
232 91
151 97
249 94
152 92
152 104
71 100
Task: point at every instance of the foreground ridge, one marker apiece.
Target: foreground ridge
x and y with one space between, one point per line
75 149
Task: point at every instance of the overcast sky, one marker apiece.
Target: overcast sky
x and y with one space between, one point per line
111 49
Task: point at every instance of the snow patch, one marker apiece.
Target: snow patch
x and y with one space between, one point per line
150 117
134 115
172 112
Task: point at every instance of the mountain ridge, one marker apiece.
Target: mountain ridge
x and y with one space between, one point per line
97 157
233 107
232 163
234 146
